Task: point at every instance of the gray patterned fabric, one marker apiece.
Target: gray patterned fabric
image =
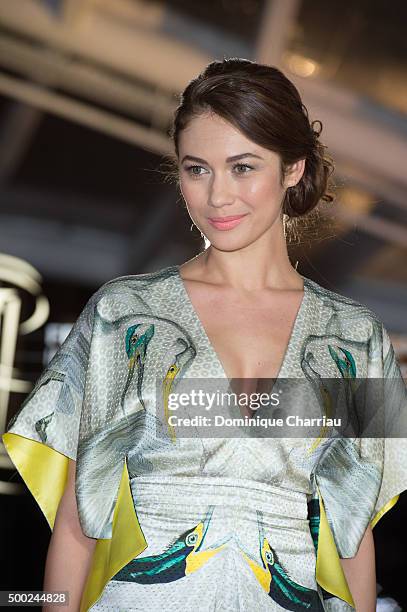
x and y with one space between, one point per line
225 519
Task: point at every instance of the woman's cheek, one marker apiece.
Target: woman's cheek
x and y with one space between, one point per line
254 193
194 202
192 193
262 193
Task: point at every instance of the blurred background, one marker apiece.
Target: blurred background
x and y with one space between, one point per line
87 93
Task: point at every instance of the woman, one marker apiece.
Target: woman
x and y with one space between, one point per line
151 518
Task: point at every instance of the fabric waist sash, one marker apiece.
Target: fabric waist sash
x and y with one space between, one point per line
220 491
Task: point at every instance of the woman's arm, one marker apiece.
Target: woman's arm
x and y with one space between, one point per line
70 551
360 574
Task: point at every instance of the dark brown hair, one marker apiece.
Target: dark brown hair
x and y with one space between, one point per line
263 104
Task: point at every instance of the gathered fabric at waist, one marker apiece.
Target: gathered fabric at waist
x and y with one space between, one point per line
220 491
235 522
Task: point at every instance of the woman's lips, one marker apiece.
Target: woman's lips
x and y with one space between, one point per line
226 223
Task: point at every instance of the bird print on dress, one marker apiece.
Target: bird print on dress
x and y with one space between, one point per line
328 413
346 365
314 518
181 558
66 368
182 359
275 580
136 348
140 432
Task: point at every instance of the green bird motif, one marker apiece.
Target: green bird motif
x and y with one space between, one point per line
275 580
314 518
181 558
136 343
346 364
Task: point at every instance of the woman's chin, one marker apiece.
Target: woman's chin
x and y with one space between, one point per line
227 243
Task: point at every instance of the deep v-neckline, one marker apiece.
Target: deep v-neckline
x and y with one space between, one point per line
187 303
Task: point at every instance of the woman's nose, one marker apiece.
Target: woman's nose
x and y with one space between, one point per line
220 193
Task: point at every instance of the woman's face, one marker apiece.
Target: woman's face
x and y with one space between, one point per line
223 174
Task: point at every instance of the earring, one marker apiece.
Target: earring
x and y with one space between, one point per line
190 229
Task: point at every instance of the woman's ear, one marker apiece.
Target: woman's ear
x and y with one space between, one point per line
294 173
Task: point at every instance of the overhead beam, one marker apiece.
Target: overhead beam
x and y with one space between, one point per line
90 81
143 53
275 30
85 114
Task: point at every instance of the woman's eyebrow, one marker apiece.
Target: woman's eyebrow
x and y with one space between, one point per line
228 159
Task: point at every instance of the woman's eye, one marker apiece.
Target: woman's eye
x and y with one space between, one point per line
191 168
246 168
243 166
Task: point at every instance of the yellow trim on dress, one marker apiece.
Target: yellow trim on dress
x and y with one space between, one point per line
126 543
383 510
43 469
45 472
329 572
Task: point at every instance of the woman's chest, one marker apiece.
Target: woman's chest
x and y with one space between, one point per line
249 341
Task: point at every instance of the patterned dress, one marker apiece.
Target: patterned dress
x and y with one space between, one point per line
204 523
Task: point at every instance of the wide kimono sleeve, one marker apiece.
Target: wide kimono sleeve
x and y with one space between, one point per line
65 418
44 433
359 479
